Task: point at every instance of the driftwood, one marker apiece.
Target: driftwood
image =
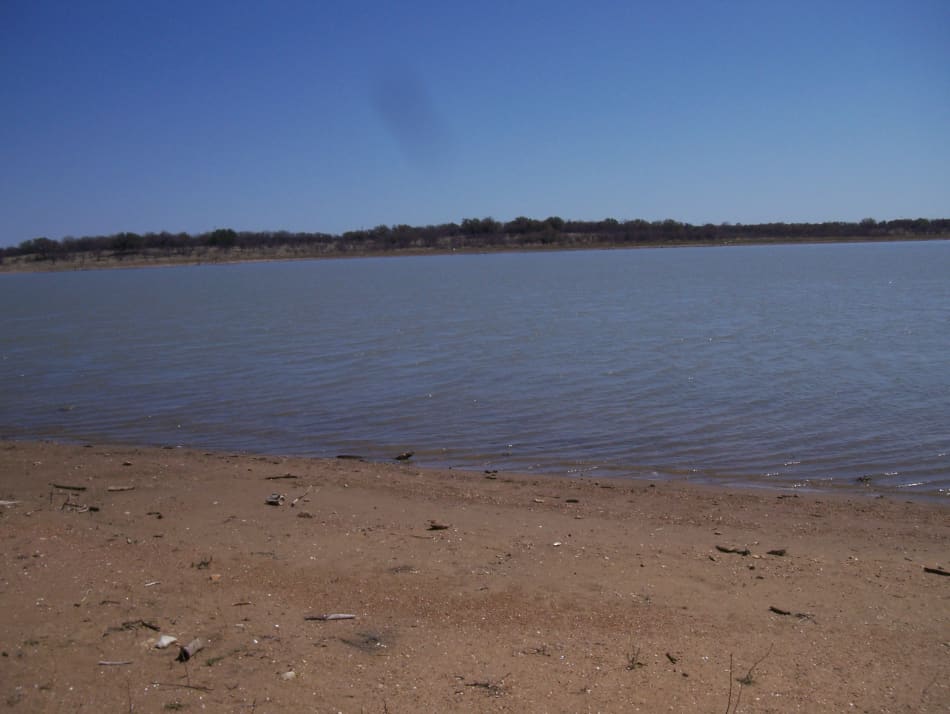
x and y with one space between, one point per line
114 662
117 489
68 488
437 526
936 571
330 616
278 478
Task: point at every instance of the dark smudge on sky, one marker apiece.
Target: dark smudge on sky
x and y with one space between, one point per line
405 106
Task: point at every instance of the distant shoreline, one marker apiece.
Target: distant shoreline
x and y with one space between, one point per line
110 260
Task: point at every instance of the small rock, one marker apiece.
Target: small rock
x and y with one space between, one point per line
288 675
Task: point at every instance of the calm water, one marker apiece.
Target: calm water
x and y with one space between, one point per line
774 365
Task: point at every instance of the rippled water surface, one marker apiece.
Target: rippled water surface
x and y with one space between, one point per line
771 365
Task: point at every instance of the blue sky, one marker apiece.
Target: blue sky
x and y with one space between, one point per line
329 116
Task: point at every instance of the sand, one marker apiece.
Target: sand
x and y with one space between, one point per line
535 594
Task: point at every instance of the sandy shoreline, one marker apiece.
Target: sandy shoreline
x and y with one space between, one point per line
541 595
215 256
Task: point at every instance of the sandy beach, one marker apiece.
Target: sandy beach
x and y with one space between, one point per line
467 591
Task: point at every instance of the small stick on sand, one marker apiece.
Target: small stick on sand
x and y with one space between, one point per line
330 616
183 686
737 551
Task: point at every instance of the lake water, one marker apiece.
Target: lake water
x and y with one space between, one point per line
780 366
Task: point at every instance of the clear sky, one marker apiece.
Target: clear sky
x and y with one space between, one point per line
330 116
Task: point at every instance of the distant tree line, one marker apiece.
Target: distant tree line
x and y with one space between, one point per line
470 234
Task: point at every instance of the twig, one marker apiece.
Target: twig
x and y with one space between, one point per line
748 677
294 502
330 616
936 571
743 681
114 662
117 489
737 551
68 488
633 661
495 688
183 686
729 700
278 478
799 615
